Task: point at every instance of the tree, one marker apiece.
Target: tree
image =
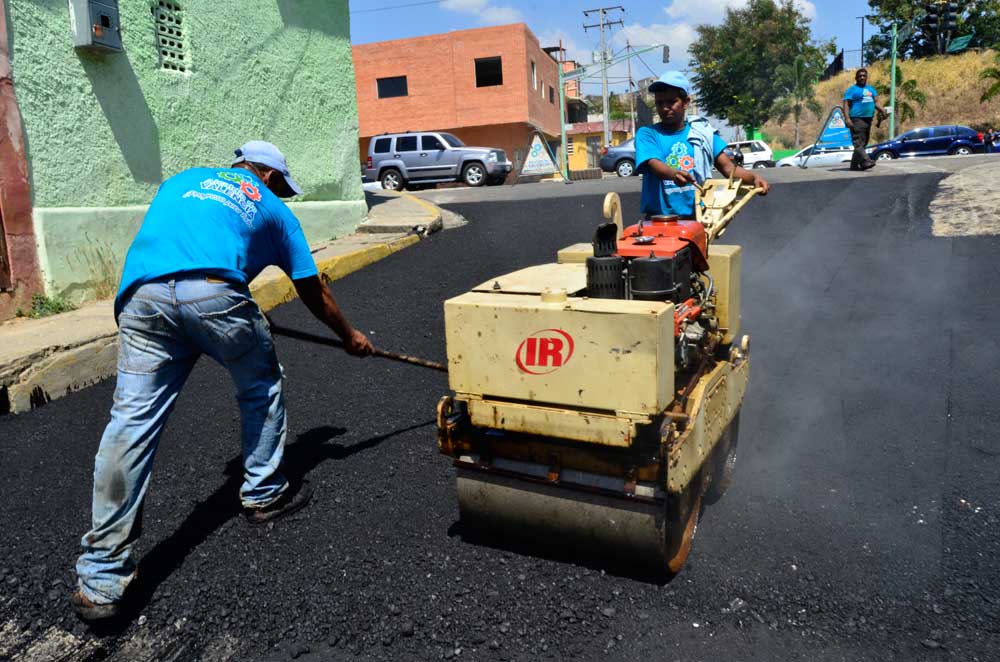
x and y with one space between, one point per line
735 63
991 74
906 91
981 18
618 107
884 13
796 81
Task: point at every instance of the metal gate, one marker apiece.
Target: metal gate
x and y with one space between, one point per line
594 151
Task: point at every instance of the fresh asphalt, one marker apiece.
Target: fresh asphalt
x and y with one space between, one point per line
862 523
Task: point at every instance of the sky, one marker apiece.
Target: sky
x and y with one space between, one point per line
646 22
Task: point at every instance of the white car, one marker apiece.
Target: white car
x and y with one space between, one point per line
825 156
756 153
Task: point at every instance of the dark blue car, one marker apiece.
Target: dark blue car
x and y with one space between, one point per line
930 141
620 159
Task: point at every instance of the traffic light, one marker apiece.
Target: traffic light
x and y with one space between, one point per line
933 18
949 16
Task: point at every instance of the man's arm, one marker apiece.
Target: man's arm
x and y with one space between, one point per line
317 298
728 169
665 172
879 107
649 161
846 107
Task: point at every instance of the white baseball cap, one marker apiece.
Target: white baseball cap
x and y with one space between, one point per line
264 153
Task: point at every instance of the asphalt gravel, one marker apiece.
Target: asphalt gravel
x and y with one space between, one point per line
862 523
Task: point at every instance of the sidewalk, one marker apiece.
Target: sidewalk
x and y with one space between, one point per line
44 359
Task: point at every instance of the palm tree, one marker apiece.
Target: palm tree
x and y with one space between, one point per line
906 91
991 73
799 93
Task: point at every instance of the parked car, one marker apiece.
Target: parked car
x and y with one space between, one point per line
930 141
735 155
756 153
824 156
428 157
620 159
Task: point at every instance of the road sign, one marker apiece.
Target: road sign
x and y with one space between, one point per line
960 43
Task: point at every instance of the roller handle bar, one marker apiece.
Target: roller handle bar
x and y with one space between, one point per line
334 342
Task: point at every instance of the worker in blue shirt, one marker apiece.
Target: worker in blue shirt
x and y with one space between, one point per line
677 153
184 292
860 105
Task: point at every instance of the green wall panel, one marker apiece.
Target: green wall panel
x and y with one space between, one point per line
103 130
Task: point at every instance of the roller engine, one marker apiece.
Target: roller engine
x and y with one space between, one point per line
659 259
596 400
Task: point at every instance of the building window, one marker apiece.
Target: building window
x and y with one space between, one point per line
569 147
391 87
489 71
552 95
167 21
534 76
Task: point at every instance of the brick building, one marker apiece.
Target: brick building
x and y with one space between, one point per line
489 86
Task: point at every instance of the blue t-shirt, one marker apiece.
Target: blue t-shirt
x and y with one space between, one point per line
664 197
219 221
862 100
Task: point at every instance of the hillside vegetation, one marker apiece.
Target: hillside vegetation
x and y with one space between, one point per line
951 83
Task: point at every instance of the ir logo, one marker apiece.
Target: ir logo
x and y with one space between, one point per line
544 351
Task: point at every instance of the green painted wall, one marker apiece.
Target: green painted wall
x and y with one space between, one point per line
103 130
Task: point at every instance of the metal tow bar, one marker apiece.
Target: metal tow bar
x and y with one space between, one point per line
335 342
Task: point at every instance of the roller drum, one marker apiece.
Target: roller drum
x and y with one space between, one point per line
633 531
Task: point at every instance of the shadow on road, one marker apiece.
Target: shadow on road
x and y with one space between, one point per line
557 550
309 451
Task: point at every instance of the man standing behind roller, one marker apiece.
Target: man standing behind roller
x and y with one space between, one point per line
676 154
860 105
184 292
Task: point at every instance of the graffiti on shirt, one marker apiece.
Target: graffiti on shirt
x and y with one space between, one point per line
244 181
237 198
679 157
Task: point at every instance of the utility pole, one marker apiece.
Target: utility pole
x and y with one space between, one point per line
604 61
631 94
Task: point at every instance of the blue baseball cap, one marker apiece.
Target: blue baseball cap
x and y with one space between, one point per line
672 79
264 153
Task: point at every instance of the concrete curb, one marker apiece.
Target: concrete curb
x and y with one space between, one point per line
33 380
418 223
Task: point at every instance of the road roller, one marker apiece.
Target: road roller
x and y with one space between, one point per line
595 400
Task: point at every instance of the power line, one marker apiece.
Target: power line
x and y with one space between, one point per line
646 65
412 4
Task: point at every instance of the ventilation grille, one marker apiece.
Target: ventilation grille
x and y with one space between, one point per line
167 17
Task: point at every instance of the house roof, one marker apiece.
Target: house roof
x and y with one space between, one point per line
597 127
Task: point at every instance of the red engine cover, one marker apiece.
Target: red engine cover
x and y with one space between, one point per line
664 236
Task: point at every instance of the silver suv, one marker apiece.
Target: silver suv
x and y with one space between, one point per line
405 159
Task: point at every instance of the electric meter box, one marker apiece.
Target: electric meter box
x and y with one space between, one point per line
95 25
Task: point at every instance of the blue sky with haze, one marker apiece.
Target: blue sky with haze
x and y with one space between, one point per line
645 22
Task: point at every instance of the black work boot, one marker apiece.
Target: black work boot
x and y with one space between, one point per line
89 610
289 502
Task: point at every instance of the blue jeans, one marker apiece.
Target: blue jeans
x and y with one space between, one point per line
162 330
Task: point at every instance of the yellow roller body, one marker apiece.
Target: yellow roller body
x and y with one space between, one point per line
584 421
